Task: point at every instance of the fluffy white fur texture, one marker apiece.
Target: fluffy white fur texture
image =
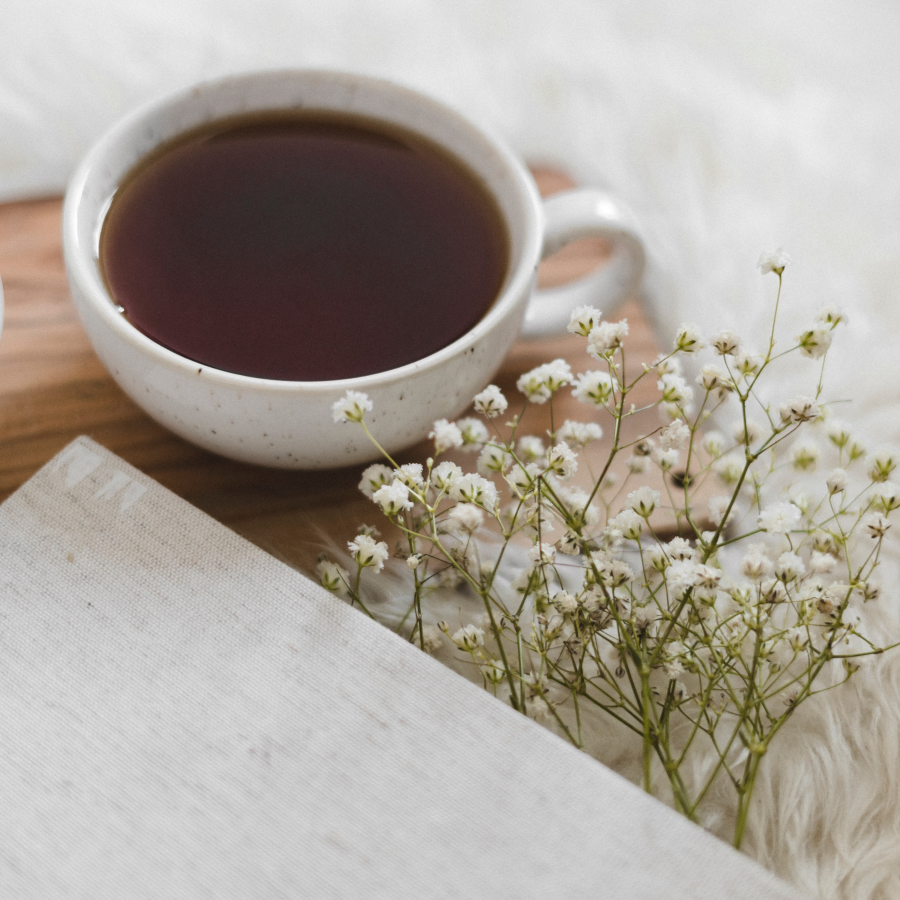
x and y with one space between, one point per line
731 128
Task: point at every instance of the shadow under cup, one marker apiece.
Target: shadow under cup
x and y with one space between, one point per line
286 420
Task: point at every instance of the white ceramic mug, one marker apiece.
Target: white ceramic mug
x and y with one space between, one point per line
289 423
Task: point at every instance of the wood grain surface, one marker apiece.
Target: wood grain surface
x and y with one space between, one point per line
53 388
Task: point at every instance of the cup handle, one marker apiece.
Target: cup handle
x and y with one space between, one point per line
580 213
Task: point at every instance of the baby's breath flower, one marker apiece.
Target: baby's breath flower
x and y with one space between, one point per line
490 402
804 455
667 365
681 576
629 523
555 374
837 481
565 602
411 475
680 548
444 475
821 563
562 461
579 434
643 501
466 518
728 468
613 573
815 342
494 458
824 543
333 577
530 449
351 407
756 565
414 560
473 431
779 518
393 498
606 338
713 443
688 340
675 390
593 388
368 552
583 320
533 385
789 567
885 497
773 261
666 459
883 463
838 433
522 479
537 520
542 554
747 433
674 435
717 507
446 435
726 343
801 409
876 525
475 489
431 639
569 544
637 465
831 315
493 671
375 476
714 378
657 558
747 363
469 638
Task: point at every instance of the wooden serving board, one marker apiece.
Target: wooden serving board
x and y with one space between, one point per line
53 388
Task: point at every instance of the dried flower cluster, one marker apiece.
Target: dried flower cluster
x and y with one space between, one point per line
715 635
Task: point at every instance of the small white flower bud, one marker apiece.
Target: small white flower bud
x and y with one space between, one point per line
469 637
804 456
726 343
688 340
446 436
473 431
606 337
713 443
490 402
884 461
351 407
837 481
583 320
815 342
643 501
593 388
773 261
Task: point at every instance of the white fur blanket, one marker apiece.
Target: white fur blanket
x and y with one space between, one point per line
732 128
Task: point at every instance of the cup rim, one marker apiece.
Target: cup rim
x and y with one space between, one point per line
81 263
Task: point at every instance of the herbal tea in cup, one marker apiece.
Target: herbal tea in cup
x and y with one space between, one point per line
303 246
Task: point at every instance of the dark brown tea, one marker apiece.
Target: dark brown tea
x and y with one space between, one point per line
303 247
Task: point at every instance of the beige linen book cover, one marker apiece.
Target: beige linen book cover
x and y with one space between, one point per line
183 716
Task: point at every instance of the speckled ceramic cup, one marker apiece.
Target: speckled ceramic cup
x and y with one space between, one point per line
289 423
